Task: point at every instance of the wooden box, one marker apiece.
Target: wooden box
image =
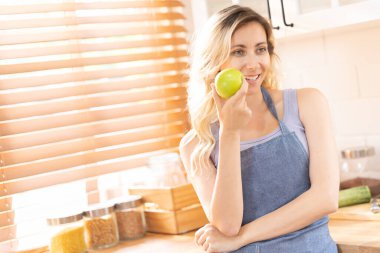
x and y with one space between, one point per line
168 198
177 211
175 222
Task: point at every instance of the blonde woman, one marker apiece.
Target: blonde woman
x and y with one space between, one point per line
263 162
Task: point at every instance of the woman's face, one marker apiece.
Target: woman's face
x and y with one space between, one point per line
249 54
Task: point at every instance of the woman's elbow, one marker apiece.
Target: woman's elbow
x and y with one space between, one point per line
230 230
332 206
227 228
331 203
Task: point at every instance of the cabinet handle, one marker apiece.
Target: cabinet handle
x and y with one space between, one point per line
270 17
283 15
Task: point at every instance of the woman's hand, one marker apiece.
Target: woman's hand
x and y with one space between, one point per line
233 113
212 240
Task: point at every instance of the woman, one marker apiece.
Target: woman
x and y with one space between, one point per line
263 162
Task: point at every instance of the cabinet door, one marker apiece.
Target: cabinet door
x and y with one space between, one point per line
309 16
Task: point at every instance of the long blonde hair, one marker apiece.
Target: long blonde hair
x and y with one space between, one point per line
210 49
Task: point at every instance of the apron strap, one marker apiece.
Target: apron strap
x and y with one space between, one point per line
269 102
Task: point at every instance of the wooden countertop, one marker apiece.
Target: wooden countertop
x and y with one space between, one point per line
355 236
351 236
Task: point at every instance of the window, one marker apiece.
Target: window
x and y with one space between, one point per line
88 88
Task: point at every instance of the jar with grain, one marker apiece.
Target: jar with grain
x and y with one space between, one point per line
100 227
67 234
130 217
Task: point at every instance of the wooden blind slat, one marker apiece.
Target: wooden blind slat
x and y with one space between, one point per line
31 81
72 20
77 103
5 203
73 6
7 218
65 90
76 48
83 130
80 145
89 61
8 233
24 37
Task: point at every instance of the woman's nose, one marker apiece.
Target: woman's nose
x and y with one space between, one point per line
251 62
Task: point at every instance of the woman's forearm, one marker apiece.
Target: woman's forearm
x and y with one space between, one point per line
227 199
297 214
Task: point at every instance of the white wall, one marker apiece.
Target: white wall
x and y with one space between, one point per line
345 65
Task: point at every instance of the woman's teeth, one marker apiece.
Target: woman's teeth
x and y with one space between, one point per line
254 78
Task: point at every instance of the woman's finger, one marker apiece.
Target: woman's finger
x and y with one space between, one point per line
202 239
217 98
205 245
198 234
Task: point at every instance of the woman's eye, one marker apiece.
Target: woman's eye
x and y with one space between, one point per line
262 49
238 53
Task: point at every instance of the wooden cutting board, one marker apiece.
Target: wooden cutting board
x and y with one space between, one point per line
356 212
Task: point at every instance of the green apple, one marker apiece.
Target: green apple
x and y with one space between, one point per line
228 82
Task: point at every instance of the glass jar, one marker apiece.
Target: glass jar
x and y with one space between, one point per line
130 217
67 234
100 227
355 160
354 169
166 170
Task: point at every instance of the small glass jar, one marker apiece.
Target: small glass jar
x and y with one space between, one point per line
354 161
130 217
100 227
67 234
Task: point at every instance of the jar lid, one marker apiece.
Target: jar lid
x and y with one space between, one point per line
129 201
99 210
358 152
53 221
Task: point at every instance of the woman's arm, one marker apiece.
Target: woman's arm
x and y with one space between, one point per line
220 198
220 191
322 197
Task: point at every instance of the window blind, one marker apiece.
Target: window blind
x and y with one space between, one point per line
87 88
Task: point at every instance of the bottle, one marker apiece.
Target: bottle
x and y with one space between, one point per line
67 234
100 227
130 217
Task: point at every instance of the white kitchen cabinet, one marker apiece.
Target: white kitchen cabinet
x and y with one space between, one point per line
306 15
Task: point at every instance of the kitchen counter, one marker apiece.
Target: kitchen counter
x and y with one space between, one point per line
351 236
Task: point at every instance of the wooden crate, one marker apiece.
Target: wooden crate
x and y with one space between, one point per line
175 222
168 198
178 209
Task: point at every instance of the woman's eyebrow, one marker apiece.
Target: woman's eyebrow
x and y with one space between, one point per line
244 46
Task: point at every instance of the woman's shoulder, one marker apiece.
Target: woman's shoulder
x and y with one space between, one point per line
310 100
309 96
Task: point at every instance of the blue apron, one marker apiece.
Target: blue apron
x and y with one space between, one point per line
273 174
